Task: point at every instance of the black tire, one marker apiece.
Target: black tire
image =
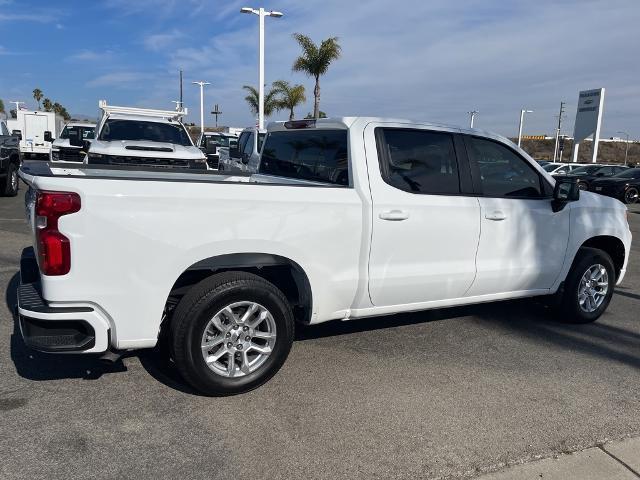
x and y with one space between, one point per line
12 181
630 195
583 186
569 309
196 309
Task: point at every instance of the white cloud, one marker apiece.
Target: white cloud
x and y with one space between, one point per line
124 79
91 56
28 17
160 41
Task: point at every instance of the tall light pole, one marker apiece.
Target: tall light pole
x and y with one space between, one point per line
202 84
626 150
472 116
522 112
261 14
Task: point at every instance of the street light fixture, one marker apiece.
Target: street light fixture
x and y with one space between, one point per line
202 84
261 12
472 115
522 112
626 150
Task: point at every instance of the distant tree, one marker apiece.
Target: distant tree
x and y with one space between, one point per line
290 96
47 104
12 113
57 108
315 61
321 114
2 110
37 96
271 104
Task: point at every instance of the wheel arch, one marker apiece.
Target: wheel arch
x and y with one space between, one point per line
612 246
283 272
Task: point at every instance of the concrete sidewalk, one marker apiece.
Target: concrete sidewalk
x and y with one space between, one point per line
611 461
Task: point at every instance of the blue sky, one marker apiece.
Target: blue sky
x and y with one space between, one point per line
425 60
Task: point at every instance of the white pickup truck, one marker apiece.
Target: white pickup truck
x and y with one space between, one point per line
346 218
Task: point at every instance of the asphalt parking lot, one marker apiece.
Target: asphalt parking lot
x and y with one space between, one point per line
445 393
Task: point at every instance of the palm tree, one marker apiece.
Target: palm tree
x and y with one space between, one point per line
315 61
47 105
37 96
270 100
290 96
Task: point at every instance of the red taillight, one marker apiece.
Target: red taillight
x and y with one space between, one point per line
54 251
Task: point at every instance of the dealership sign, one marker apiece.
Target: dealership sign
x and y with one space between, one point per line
588 119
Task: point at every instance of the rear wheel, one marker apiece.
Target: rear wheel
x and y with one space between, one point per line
588 287
583 186
12 181
231 333
631 195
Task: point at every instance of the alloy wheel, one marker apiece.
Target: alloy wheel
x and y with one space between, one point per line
593 288
238 339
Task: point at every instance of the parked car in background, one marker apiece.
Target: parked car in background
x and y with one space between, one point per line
542 163
586 174
211 143
142 137
346 218
62 149
557 168
9 161
624 186
246 156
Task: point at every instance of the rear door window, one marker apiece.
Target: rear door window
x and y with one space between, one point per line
317 155
419 161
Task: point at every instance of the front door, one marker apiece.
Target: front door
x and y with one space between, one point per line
523 241
425 229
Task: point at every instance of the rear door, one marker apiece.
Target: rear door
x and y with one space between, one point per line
35 126
426 221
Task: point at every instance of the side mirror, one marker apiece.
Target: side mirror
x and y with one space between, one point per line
17 133
47 136
564 192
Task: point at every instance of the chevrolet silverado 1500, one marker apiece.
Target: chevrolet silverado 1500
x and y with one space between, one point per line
345 218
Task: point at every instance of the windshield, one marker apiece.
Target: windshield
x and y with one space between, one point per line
217 140
631 173
85 133
588 170
145 131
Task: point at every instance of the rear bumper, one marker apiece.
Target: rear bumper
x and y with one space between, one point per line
52 328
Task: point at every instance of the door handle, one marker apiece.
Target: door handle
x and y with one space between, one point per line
496 215
394 215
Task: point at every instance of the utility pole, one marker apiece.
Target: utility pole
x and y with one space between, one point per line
560 116
202 84
180 91
522 112
216 111
472 116
626 150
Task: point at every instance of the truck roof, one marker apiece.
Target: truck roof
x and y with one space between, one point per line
347 122
80 124
141 118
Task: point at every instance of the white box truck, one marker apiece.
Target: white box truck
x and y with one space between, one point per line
37 132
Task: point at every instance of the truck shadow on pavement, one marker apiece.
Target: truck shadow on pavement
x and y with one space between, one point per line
528 320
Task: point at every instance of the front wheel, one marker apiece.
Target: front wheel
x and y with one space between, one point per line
231 333
12 181
583 186
588 288
631 195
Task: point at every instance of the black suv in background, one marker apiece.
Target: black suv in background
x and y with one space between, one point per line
623 186
9 161
587 174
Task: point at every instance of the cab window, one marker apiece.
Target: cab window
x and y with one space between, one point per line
503 173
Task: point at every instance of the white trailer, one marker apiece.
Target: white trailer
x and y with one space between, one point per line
33 126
